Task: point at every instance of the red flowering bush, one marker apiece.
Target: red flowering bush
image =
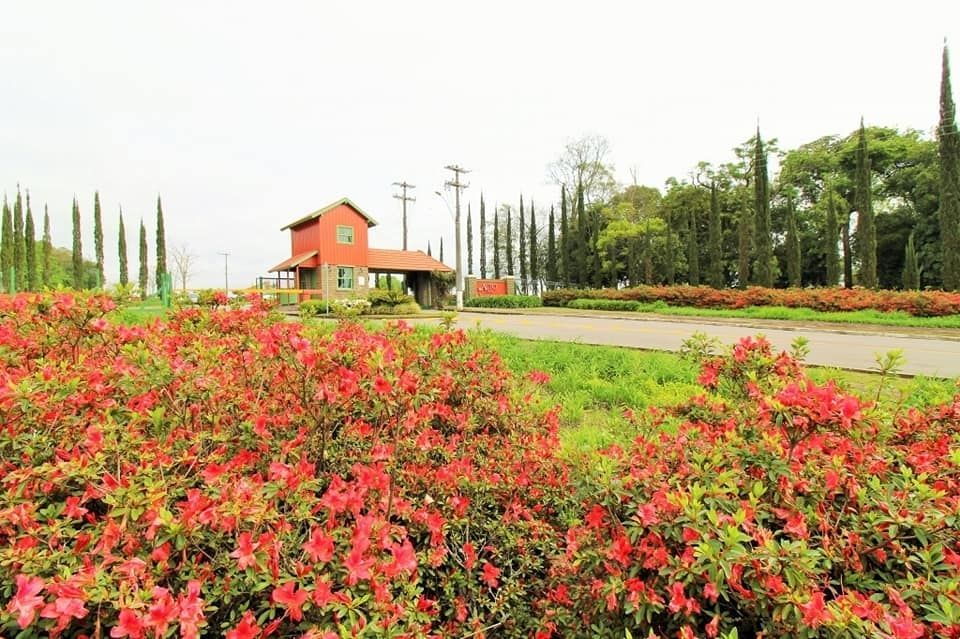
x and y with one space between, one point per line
774 506
225 473
917 303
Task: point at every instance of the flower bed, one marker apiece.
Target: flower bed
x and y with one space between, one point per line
917 303
227 474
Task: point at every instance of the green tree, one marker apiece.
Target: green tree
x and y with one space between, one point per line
144 273
534 267
429 250
509 240
469 241
949 150
693 249
670 259
581 261
483 240
715 241
77 248
19 246
496 244
6 249
764 233
47 249
866 230
552 276
830 239
30 246
584 162
161 269
122 251
522 240
98 238
793 246
911 267
565 261
441 248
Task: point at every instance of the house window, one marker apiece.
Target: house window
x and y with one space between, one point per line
344 234
345 278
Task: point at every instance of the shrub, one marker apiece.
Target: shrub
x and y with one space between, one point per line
604 305
504 301
380 297
408 308
313 308
224 473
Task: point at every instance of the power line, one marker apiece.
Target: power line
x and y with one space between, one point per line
457 186
404 198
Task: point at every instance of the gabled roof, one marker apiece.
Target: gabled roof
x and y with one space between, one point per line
329 207
403 261
293 262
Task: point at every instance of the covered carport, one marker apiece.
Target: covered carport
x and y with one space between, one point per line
416 268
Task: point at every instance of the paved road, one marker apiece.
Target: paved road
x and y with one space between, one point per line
927 356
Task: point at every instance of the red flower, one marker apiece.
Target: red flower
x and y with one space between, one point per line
491 574
469 556
129 624
244 554
381 385
404 559
319 547
25 603
246 629
290 598
815 611
710 592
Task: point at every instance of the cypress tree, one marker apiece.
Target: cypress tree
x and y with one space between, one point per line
496 244
563 267
47 249
144 271
671 265
30 246
522 237
551 264
509 243
830 240
534 267
161 246
744 242
596 263
98 238
949 151
793 246
122 251
693 249
580 260
866 229
847 252
429 250
911 266
483 240
19 254
6 248
77 253
715 241
761 204
441 248
647 255
469 241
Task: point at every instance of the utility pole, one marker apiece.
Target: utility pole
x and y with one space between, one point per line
226 273
404 198
457 186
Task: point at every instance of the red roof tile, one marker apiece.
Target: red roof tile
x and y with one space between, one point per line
293 262
404 261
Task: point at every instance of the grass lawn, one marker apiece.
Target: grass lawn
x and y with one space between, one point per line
139 312
894 318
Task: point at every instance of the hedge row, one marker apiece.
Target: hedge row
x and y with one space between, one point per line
504 301
917 303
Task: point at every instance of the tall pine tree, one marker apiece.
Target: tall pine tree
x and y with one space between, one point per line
532 249
564 265
19 252
551 266
30 248
911 266
161 269
523 249
496 244
671 262
509 243
580 259
793 246
441 248
483 240
715 241
693 249
98 238
866 228
744 245
469 241
830 239
6 249
47 249
77 253
761 209
949 150
144 273
429 250
122 252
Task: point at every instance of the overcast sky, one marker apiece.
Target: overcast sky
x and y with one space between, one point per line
247 115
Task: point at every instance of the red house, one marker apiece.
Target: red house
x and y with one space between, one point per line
331 258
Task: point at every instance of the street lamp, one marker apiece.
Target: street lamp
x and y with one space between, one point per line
456 227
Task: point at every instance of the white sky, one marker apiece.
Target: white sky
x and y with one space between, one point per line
247 115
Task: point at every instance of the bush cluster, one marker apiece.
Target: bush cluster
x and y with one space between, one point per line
917 303
227 474
504 301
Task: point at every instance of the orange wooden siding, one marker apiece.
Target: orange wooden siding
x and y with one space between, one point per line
321 233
